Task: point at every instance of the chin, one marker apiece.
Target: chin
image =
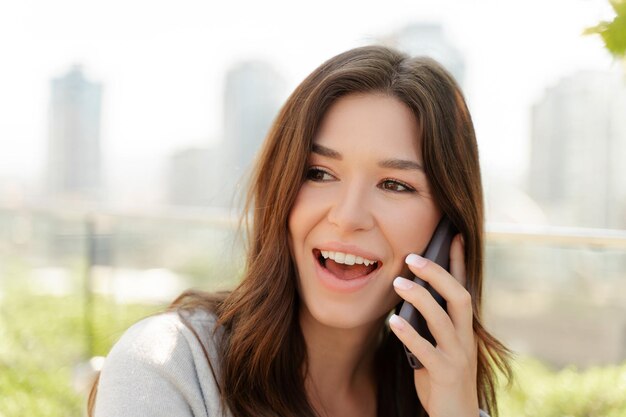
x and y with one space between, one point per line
345 316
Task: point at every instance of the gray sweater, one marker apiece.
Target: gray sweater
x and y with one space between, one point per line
158 368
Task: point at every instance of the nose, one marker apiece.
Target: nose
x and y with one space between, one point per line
351 209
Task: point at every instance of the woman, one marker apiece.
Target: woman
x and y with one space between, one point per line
367 155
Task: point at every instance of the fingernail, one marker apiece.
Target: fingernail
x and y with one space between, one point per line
396 322
415 260
403 283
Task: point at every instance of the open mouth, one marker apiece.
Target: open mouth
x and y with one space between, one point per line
345 266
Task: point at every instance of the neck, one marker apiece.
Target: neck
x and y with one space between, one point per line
340 365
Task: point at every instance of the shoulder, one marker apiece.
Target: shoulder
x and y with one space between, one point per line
155 335
163 365
168 338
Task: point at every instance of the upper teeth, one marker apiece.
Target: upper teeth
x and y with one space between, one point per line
346 258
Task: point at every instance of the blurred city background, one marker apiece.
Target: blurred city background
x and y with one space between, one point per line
127 130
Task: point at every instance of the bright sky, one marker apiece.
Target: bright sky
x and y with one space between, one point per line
162 64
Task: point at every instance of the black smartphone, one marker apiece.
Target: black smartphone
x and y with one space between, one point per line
438 250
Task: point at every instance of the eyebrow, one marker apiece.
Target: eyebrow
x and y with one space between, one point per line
401 164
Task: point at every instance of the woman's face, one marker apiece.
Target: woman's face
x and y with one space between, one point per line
366 199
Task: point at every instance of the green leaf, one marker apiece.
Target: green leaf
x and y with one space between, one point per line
619 6
615 36
594 30
613 33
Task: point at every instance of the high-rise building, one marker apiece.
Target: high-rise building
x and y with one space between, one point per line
74 170
253 94
217 176
577 171
429 39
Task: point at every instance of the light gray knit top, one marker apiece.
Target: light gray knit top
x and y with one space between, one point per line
158 368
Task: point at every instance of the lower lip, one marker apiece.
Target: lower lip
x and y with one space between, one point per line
330 281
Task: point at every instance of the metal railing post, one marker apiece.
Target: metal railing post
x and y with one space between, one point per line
90 253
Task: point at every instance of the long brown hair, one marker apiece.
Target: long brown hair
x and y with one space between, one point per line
263 354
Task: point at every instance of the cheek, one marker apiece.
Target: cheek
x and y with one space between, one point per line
410 228
294 223
302 218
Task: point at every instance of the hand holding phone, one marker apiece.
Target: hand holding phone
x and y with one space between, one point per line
438 251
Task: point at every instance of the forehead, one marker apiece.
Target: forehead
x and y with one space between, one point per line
377 122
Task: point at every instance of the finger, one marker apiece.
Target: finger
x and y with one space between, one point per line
459 302
423 350
457 269
438 321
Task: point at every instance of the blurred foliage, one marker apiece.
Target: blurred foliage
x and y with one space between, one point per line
540 391
613 33
42 340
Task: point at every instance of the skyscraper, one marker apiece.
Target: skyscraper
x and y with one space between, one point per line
74 170
253 95
577 170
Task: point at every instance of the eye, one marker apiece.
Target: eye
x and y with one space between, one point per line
396 186
318 175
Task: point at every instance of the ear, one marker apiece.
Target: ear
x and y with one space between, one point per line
457 260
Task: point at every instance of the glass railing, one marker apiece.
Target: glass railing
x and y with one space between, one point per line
556 293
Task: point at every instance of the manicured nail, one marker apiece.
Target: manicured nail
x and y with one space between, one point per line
396 322
415 260
403 283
